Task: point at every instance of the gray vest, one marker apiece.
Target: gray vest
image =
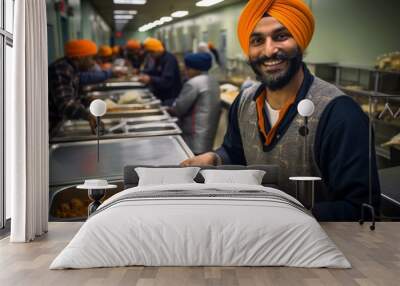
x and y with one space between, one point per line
199 126
288 152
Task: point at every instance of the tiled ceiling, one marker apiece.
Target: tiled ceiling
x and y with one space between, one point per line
152 10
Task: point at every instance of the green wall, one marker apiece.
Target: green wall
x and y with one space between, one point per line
136 35
84 23
93 25
354 31
74 22
55 44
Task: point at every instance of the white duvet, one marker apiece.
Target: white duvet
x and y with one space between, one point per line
185 230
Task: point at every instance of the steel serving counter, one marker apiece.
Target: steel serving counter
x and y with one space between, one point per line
71 163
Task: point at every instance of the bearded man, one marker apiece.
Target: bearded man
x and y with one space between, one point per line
264 124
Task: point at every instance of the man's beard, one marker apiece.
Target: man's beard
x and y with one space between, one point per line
276 81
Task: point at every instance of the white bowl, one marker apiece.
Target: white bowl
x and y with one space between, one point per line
95 184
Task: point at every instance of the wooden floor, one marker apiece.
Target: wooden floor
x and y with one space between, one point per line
375 257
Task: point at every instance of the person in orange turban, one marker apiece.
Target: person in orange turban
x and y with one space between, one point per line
161 72
116 50
80 48
105 51
104 57
81 52
270 121
65 82
133 44
153 45
295 15
275 31
135 54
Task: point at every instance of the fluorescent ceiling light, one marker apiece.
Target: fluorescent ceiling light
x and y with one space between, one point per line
125 12
131 2
147 27
207 3
179 14
166 19
123 17
156 23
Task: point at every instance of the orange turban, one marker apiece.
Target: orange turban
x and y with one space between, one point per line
115 50
80 48
153 45
295 15
133 44
105 51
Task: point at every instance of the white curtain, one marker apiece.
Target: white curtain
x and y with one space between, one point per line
27 124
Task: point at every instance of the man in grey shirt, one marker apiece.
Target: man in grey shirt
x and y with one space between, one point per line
198 104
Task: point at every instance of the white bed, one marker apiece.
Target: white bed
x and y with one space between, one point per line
201 225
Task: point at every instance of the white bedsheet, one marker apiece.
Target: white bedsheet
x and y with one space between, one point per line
202 231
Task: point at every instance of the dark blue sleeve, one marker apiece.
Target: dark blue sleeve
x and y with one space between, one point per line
231 151
166 79
342 154
93 77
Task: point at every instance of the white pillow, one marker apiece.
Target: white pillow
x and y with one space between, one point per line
166 176
248 177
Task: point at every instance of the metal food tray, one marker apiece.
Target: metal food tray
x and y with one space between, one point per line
80 131
143 93
114 85
65 194
152 114
72 163
126 127
147 104
124 84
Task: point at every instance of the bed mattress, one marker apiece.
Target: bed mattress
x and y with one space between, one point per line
201 225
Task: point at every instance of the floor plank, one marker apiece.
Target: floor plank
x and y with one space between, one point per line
375 257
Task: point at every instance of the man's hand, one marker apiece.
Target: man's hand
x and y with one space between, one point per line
209 158
93 124
144 78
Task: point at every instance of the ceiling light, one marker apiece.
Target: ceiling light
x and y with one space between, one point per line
156 23
131 2
125 12
179 14
207 3
166 19
123 17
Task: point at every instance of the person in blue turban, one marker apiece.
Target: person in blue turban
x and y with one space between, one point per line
198 61
198 104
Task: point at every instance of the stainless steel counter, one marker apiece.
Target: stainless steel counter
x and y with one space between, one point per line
115 94
114 86
72 163
161 114
79 131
